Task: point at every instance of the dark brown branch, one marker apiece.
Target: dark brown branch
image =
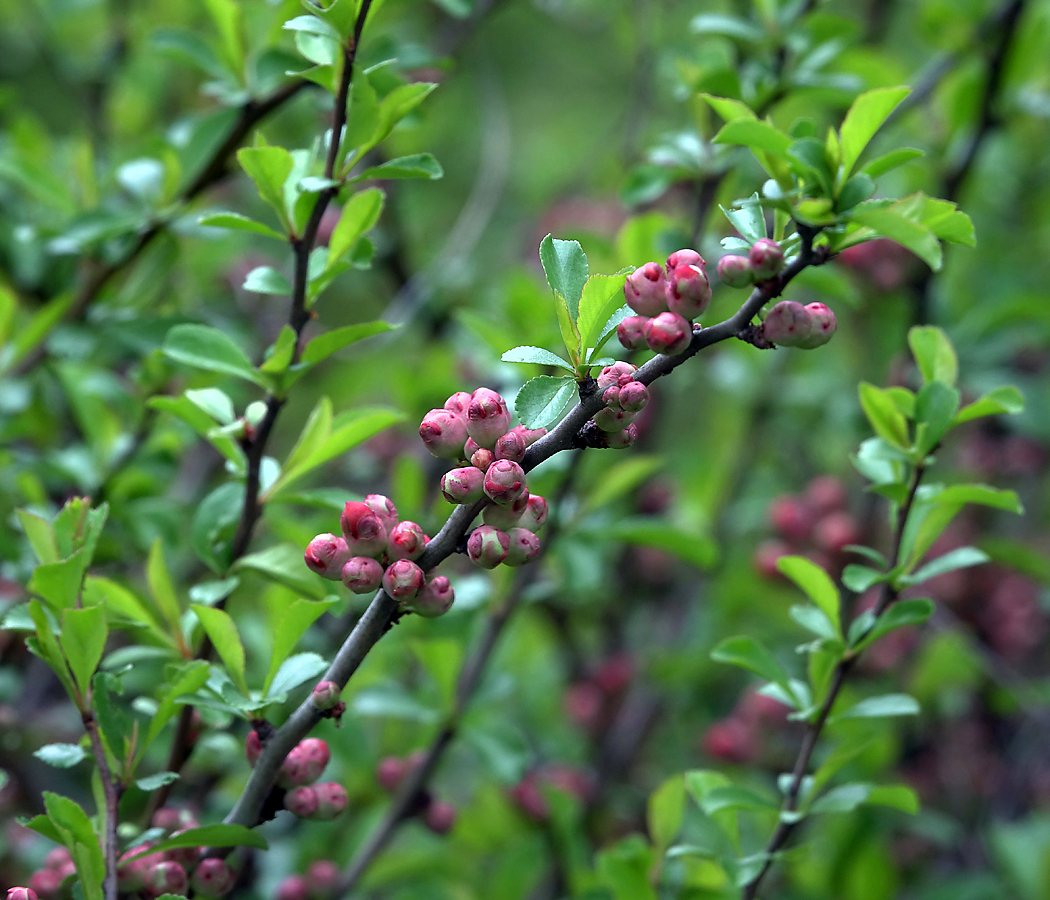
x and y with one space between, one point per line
112 791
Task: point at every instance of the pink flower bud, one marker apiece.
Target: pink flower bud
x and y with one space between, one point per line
668 333
131 873
326 695
688 291
165 878
826 493
213 878
614 674
440 816
21 893
322 876
787 323
634 397
458 404
315 754
294 771
487 417
326 555
58 859
331 800
735 271
835 531
45 882
612 419
766 258
362 574
730 740
535 514
487 547
631 332
465 485
252 747
523 548
531 435
471 447
644 290
185 856
482 458
403 580
390 772
621 440
435 600
363 530
822 325
444 433
506 517
685 258
618 374
171 819
384 508
504 482
611 396
294 887
791 517
406 541
510 446
766 557
301 802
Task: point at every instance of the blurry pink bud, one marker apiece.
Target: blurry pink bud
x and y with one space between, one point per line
171 819
463 485
458 404
504 482
822 326
618 374
294 887
45 882
529 799
634 396
688 291
21 893
185 856
535 513
444 433
440 816
531 435
331 800
390 772
384 508
301 802
487 547
631 332
294 771
735 271
787 323
615 673
435 600
621 440
835 531
487 417
363 530
612 419
668 333
315 754
58 859
766 557
252 747
506 517
766 258
131 873
482 458
165 878
403 580
611 396
406 541
326 694
791 517
510 446
826 493
644 290
326 555
362 574
523 548
685 258
213 878
731 740
322 876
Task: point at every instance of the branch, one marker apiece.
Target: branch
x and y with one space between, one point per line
112 791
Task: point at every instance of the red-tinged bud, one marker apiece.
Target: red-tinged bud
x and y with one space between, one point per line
506 517
685 258
618 374
766 557
688 291
384 508
362 574
730 740
535 514
766 258
668 333
294 770
315 754
634 397
58 860
465 485
170 819
471 447
131 873
294 887
185 856
252 747
322 876
612 419
631 332
644 290
458 404
755 706
504 482
583 702
615 674
531 435
301 802
510 446
835 531
611 396
487 417
787 323
822 326
326 695
403 580
21 893
444 433
363 530
331 800
326 555
528 797
487 547
826 493
46 883
524 547
482 458
439 816
792 518
390 772
165 878
213 878
735 271
621 440
407 541
435 600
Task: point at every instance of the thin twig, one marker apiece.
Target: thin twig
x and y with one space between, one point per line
112 791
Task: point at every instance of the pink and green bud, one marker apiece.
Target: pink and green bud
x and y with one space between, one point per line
213 878
390 772
644 290
482 458
631 332
524 547
612 418
363 530
315 754
301 802
487 417
326 555
535 514
444 433
407 541
766 258
504 482
611 396
822 326
165 878
384 508
487 546
668 333
465 485
294 770
323 877
685 258
506 517
331 800
294 887
435 600
403 580
252 747
735 271
326 695
362 574
131 873
788 323
510 446
688 291
531 435
458 404
21 893
634 397
440 816
620 440
618 374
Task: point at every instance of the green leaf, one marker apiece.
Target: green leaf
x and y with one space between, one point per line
269 168
208 348
727 26
896 226
935 408
418 165
916 611
980 494
41 536
889 161
83 641
236 222
728 108
961 558
699 783
895 796
860 578
267 280
214 524
1007 399
816 584
882 707
815 620
848 797
61 756
442 659
809 160
284 564
227 17
602 295
694 547
215 403
839 758
864 119
536 355
279 356
60 583
748 653
288 628
755 135
543 400
565 265
324 345
153 782
161 588
748 220
359 216
209 836
46 647
858 189
884 416
296 670
223 633
191 678
934 354
733 797
665 812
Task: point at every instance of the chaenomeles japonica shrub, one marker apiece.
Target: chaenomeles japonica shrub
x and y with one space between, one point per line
92 630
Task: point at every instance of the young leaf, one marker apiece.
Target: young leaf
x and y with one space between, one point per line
266 280
269 168
602 295
61 756
934 354
418 165
896 226
859 578
755 135
748 653
284 564
536 355
961 558
890 161
884 416
813 619
190 679
882 707
288 628
916 611
209 836
864 119
41 536
297 669
748 220
935 408
817 585
543 400
161 588
997 401
565 265
208 348
324 345
222 631
729 109
236 222
83 641
359 215
733 797
279 356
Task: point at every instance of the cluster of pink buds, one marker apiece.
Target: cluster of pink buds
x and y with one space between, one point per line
624 398
437 815
305 797
321 881
529 794
667 301
475 431
764 260
47 881
791 324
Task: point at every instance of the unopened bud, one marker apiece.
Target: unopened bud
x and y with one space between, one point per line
531 435
523 548
668 333
326 695
535 514
506 517
165 878
458 404
301 802
487 547
171 819
612 418
766 258
21 893
185 856
131 873
644 290
390 772
384 508
482 458
620 440
315 755
487 417
735 271
465 485
631 332
331 800
618 374
252 747
444 433
326 555
407 541
294 770
510 446
611 396
46 883
440 816
504 482
685 258
363 530
822 326
435 599
213 878
787 323
322 876
403 580
634 397
688 291
294 887
362 574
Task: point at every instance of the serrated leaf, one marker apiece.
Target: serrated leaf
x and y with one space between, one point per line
152 782
288 628
83 641
602 295
536 355
236 222
222 631
1000 400
284 564
896 226
864 119
885 418
934 354
543 400
296 670
565 265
